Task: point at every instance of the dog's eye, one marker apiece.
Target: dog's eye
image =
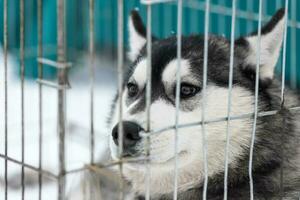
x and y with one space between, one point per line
133 89
188 90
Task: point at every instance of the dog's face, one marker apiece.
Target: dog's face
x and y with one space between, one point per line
163 108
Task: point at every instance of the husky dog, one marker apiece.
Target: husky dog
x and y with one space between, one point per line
276 152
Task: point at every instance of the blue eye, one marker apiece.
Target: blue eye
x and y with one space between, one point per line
133 89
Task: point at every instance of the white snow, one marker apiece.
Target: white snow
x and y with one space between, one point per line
78 122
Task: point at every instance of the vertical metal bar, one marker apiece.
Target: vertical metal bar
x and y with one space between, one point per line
278 5
92 76
281 190
5 38
293 47
177 100
229 96
40 91
120 86
148 98
256 100
62 80
206 38
22 70
284 52
282 92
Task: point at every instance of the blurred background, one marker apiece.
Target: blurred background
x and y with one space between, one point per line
164 24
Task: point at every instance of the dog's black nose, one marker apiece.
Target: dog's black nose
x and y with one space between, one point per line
130 136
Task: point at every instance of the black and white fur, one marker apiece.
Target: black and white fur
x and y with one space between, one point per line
277 137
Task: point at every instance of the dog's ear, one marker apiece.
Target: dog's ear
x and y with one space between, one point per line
137 34
270 45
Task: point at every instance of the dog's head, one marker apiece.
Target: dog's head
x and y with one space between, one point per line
163 108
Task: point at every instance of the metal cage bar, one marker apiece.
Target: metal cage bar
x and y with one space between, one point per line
62 80
177 98
221 119
229 96
36 169
56 64
120 88
40 93
284 53
22 73
283 91
53 85
205 63
258 48
148 99
5 39
92 76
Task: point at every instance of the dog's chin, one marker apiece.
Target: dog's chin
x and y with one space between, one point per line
161 171
164 163
137 162
168 160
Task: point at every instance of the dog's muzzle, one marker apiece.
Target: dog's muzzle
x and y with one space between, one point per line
131 136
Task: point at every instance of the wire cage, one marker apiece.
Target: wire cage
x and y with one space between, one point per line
203 14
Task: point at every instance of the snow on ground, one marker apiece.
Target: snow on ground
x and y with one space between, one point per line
78 120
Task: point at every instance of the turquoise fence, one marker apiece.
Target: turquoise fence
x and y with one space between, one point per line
164 24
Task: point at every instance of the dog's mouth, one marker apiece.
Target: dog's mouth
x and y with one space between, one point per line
172 159
138 160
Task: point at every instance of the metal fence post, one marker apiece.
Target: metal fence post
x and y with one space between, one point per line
40 91
62 80
120 88
205 63
92 76
229 97
177 98
258 48
148 98
5 38
22 73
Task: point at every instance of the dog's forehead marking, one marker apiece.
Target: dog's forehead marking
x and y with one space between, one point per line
169 73
140 72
